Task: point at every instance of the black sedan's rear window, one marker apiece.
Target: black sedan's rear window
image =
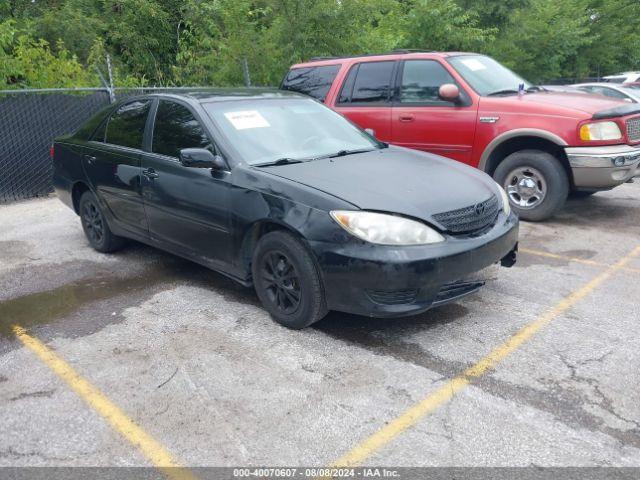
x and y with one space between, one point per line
86 130
312 81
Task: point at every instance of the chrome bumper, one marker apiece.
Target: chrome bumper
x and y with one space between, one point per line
601 168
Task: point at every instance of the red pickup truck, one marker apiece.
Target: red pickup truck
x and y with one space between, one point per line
539 145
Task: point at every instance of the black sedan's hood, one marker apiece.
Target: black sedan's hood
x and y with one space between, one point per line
395 179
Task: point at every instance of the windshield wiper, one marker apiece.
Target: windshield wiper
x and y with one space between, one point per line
503 92
339 153
343 153
535 88
280 161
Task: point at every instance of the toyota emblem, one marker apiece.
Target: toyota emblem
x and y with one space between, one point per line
479 209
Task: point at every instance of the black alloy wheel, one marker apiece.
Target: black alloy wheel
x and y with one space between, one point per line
287 280
95 226
281 282
92 222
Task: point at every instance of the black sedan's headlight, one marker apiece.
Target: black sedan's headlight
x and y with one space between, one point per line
385 229
506 206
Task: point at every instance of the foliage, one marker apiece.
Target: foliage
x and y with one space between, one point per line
9 65
615 26
492 13
29 62
54 43
271 36
545 40
439 25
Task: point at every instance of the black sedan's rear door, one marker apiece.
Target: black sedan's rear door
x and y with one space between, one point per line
112 163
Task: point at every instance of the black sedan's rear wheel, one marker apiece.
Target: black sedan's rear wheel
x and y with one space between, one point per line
287 281
95 226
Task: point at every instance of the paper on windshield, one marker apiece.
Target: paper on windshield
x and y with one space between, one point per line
473 64
246 119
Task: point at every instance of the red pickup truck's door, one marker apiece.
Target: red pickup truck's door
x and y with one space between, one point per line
420 120
365 96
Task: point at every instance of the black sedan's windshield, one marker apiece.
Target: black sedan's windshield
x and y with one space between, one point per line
280 131
486 76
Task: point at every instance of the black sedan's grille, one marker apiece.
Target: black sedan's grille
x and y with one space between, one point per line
470 219
633 129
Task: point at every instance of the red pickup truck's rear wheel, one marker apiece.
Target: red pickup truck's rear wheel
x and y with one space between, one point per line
536 183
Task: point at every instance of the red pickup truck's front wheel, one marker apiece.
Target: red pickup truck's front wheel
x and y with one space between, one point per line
536 183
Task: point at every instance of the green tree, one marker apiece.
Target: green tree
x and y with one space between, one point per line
272 35
26 62
213 38
78 23
307 28
438 25
546 40
9 65
614 27
492 13
144 36
203 42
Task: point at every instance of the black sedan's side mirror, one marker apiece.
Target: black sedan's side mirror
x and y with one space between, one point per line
201 158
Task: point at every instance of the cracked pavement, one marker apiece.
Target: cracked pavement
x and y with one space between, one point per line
197 363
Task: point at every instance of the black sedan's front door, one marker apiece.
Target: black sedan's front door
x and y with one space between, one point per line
112 163
187 208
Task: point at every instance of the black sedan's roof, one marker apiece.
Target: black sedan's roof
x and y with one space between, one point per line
225 94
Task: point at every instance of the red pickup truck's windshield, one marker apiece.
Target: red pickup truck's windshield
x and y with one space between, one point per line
486 76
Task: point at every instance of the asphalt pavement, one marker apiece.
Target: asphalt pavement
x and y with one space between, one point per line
540 367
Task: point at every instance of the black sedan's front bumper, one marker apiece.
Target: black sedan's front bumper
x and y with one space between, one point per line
388 281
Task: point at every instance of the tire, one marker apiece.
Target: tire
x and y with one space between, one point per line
536 182
95 225
282 270
581 194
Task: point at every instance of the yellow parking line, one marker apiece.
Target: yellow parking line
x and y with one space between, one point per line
450 388
150 448
540 253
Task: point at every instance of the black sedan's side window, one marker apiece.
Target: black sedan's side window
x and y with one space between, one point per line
126 125
176 128
98 135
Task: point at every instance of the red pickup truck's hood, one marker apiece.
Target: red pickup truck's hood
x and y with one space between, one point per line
589 104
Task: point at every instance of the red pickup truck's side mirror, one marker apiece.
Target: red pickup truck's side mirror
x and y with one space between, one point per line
449 92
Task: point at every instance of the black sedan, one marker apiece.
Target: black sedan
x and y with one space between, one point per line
277 191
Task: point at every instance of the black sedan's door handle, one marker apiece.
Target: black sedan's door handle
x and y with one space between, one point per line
150 173
90 159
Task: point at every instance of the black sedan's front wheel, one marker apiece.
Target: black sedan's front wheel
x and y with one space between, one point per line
95 226
287 281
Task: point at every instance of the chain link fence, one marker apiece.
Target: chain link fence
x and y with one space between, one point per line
29 122
31 119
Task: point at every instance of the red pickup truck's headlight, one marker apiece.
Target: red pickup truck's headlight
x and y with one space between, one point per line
600 131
